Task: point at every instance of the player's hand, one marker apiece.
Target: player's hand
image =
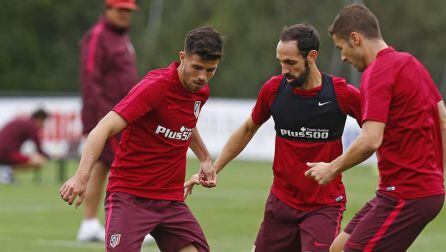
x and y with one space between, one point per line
189 185
321 172
73 188
207 174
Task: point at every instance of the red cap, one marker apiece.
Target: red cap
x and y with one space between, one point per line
122 4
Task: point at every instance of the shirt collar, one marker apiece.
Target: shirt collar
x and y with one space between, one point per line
174 71
385 51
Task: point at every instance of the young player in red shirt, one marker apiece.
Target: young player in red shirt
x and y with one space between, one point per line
309 109
158 119
404 120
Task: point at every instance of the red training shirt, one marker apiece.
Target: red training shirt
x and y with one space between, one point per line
151 158
397 90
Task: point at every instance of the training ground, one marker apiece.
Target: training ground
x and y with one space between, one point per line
34 218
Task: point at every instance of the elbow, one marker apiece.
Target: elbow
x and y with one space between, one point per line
372 144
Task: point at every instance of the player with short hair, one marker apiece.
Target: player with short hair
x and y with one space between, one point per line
309 109
158 118
404 120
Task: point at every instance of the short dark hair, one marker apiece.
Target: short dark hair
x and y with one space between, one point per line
39 114
305 35
204 41
355 18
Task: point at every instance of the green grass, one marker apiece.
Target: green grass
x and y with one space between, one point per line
34 218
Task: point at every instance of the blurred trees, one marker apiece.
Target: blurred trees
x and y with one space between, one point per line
39 38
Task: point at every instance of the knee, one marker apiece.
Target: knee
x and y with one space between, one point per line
37 161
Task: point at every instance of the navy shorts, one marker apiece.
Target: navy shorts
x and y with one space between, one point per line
287 229
390 224
129 218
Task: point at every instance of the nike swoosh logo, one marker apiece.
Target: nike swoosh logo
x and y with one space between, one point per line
323 103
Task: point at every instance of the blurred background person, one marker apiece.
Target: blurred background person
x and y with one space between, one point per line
12 136
107 72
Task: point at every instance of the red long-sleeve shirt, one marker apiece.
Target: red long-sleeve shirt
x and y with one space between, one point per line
15 133
108 70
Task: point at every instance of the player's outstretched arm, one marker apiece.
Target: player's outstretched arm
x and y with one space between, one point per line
362 148
208 176
111 124
236 143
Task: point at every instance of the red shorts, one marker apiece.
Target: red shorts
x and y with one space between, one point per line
15 158
129 218
287 229
390 224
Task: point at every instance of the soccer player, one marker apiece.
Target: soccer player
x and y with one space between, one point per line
404 120
309 109
158 119
108 72
12 136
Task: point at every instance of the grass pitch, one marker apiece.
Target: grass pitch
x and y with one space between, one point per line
34 218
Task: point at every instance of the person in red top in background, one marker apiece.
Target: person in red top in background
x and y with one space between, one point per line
12 136
404 120
108 72
158 118
309 109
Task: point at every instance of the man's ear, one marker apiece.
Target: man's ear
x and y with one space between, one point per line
312 56
181 55
355 39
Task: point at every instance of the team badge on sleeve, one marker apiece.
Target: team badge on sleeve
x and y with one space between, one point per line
114 240
197 108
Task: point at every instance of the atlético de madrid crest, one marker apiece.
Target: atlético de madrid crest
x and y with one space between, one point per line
114 240
197 107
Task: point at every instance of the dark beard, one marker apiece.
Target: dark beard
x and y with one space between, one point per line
298 82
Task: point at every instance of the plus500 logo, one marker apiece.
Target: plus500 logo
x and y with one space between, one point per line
184 133
306 133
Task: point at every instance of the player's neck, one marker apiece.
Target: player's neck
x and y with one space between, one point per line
314 79
372 48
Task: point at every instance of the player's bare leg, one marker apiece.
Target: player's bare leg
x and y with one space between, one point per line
339 243
36 161
189 248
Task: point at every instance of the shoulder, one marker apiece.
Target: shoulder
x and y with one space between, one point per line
390 62
272 85
24 123
96 31
341 85
338 81
158 77
343 89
